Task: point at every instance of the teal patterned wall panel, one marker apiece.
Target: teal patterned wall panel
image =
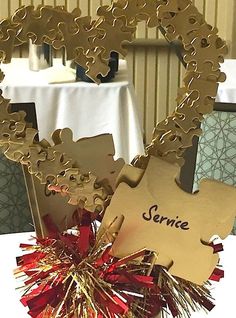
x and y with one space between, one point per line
216 158
15 215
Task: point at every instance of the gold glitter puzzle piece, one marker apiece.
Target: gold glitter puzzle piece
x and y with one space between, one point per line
176 225
205 97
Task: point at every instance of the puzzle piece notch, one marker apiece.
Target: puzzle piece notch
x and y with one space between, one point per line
162 218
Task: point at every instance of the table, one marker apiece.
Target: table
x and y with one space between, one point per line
86 108
9 297
227 90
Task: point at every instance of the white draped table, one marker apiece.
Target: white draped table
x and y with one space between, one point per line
86 108
10 306
227 90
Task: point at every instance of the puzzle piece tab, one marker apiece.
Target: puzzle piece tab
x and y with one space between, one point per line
178 226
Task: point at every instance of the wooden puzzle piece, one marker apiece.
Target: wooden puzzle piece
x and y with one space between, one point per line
34 24
6 25
197 83
60 15
97 65
169 125
88 196
81 38
99 163
167 143
82 59
19 149
204 31
187 116
82 189
110 42
50 168
33 159
210 49
9 132
129 10
5 114
172 7
106 12
7 45
182 24
176 225
148 13
208 74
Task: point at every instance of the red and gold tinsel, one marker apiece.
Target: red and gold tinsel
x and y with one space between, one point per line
73 275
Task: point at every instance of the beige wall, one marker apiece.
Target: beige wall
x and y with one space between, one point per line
155 70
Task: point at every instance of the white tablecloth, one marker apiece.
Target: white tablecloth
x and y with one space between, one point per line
86 108
227 90
10 307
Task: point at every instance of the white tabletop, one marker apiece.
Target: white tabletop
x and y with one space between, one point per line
10 307
86 108
227 90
